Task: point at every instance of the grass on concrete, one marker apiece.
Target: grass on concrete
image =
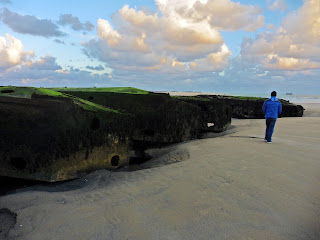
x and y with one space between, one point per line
246 98
26 92
110 89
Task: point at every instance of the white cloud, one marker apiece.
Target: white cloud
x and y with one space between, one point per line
304 25
273 61
45 63
74 22
214 62
159 42
105 31
5 1
28 24
270 27
277 5
11 52
181 38
47 73
97 68
219 14
18 67
180 41
293 46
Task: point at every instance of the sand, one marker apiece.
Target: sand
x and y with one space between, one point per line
227 186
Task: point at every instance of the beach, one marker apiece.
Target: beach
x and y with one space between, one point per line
230 185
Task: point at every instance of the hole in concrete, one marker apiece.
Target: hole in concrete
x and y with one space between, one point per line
210 124
7 91
18 163
95 124
90 97
149 132
115 161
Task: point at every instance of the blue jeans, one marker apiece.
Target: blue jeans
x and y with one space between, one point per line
270 122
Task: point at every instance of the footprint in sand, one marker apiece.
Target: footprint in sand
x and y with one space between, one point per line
110 216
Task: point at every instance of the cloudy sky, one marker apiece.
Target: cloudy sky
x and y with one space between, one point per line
240 46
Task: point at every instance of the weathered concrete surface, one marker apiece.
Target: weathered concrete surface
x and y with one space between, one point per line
54 139
51 136
157 118
215 115
243 108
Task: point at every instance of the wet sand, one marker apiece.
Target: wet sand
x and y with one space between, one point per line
227 186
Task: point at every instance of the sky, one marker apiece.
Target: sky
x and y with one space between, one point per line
222 46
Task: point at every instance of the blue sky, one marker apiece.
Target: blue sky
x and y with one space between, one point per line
229 46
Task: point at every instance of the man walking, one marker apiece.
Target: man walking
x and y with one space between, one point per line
272 109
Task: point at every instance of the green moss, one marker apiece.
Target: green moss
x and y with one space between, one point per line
6 88
111 89
26 92
131 103
245 98
199 98
93 106
196 98
47 92
87 105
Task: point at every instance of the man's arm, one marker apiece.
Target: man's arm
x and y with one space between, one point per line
280 109
264 108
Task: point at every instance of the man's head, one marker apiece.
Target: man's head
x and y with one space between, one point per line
274 94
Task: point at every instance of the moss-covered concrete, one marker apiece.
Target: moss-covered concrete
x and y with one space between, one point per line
157 119
215 115
125 102
59 134
26 92
251 107
129 90
53 137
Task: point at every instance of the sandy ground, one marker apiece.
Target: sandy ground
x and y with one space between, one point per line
232 186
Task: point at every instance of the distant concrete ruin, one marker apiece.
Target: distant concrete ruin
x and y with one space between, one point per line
251 107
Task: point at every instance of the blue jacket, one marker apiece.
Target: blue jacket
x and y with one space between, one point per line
272 108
